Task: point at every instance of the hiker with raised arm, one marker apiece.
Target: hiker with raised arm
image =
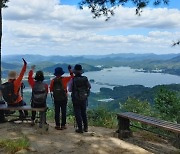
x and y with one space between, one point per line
58 88
39 94
11 90
80 88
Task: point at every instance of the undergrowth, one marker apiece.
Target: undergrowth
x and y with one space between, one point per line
13 145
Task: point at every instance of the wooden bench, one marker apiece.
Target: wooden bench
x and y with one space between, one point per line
124 125
25 107
4 107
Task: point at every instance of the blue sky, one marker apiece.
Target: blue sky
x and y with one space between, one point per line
53 27
172 4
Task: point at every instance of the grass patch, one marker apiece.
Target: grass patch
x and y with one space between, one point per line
102 117
14 145
96 117
50 114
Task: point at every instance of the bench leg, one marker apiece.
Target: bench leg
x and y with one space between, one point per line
124 128
176 143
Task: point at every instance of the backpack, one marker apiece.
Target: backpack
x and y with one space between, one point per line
39 94
7 89
59 93
80 90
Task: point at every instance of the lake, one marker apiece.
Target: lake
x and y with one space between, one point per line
125 76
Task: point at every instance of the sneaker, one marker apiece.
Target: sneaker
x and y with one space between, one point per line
79 131
63 127
57 127
85 129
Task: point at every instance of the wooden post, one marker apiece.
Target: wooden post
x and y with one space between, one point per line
176 143
124 128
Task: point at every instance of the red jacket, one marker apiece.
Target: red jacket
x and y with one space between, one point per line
17 84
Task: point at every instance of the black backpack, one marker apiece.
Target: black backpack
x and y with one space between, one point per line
7 89
39 94
80 88
59 93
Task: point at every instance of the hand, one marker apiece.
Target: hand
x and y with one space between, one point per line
25 63
69 67
33 67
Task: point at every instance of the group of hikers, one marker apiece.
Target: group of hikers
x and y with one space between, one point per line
75 83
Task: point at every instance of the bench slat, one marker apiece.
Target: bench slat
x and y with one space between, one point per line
26 107
134 115
152 121
158 121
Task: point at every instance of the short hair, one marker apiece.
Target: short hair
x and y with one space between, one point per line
39 76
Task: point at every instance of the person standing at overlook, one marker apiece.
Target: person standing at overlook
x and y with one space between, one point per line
80 88
39 94
58 88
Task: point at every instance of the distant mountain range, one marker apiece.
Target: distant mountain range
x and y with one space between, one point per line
86 58
168 63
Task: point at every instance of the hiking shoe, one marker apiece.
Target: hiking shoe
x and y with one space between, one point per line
63 127
57 127
85 129
79 131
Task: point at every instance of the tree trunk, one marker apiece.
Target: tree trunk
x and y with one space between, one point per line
0 42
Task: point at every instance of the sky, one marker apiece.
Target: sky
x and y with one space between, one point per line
53 27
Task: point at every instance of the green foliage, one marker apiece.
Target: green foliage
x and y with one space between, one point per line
121 93
106 7
168 104
102 117
99 116
3 3
136 106
14 145
50 114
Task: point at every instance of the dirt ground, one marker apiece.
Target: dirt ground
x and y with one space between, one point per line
97 141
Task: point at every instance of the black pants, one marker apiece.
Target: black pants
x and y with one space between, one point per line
60 106
2 117
80 113
21 112
42 114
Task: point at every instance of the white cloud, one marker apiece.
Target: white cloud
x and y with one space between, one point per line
45 27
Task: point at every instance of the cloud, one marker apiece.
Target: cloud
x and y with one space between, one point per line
46 27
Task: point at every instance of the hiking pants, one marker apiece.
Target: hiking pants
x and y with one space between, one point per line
42 114
60 106
80 114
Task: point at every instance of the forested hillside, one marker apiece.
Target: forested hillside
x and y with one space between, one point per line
120 94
